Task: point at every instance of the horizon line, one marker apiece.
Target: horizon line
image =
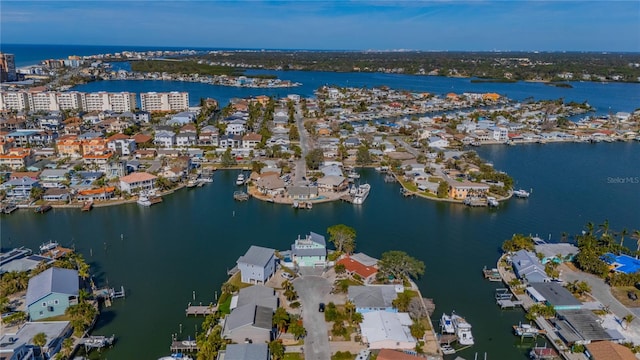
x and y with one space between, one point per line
333 50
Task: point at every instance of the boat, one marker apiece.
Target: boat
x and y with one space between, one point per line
43 209
463 330
360 194
295 205
192 183
446 324
491 274
240 179
240 196
176 356
87 206
520 193
492 202
309 205
207 179
447 349
48 246
148 200
543 353
353 175
527 330
9 208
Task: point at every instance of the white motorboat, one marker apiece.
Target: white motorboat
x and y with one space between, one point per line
523 194
176 356
48 246
446 324
146 199
463 330
240 179
361 193
492 202
527 330
353 175
447 349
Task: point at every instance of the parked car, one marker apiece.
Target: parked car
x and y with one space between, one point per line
286 275
321 307
632 295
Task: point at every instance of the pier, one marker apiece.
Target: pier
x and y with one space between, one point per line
183 346
97 342
504 299
201 310
108 294
491 274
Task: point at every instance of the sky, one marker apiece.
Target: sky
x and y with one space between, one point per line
436 25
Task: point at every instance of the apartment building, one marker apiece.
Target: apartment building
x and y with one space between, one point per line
171 101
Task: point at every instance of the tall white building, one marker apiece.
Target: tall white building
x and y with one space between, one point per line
43 101
172 101
103 101
69 100
14 100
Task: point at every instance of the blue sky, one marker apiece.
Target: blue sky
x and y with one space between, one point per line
574 25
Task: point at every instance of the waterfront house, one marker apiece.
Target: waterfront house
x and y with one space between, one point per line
258 295
51 292
582 327
20 188
355 267
460 190
557 296
208 136
374 297
437 142
56 194
244 352
528 267
332 183
386 330
251 140
257 265
310 250
18 345
270 184
557 253
53 178
182 118
249 323
302 192
137 181
103 193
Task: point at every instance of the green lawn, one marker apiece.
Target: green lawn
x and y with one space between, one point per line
236 280
293 356
224 304
343 356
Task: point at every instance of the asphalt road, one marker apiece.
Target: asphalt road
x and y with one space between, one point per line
312 290
301 165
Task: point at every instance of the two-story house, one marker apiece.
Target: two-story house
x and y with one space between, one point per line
310 250
257 265
51 292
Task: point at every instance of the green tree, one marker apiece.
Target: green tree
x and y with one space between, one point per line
340 269
343 237
518 242
314 159
276 349
362 156
627 320
398 265
36 193
296 327
402 301
443 190
228 159
39 339
417 330
280 319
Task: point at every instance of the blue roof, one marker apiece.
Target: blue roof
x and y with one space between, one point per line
623 263
23 133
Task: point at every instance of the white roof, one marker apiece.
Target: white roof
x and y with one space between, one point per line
381 325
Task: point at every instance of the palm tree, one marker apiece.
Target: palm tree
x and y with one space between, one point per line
628 319
67 347
350 308
39 339
280 319
636 235
623 233
604 227
589 228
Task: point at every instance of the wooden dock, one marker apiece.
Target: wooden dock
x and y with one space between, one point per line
492 274
183 346
201 310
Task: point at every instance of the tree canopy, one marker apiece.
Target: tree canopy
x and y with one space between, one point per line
398 264
314 159
343 237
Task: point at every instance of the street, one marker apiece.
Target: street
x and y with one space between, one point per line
312 290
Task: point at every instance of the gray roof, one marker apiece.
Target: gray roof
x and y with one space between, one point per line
249 315
247 352
303 190
308 240
256 255
364 259
53 173
53 329
584 324
258 295
378 296
555 294
52 280
317 238
331 180
551 250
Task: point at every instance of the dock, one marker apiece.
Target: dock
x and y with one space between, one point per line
201 310
108 294
183 346
240 196
97 342
504 299
491 274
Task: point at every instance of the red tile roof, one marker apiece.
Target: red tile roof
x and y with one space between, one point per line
137 177
386 354
354 266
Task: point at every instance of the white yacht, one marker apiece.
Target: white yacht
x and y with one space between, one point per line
48 246
446 324
521 193
361 193
240 179
463 330
492 202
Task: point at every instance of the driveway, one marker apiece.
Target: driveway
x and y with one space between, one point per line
313 290
599 290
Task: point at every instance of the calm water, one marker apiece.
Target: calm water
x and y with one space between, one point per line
188 242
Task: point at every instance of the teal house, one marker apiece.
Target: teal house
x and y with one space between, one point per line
51 292
310 250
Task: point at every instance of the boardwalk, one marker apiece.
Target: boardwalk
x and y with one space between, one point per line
204 310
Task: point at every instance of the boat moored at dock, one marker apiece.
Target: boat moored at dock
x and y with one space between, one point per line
48 246
520 193
146 199
446 325
360 193
42 209
240 180
527 330
87 206
463 330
